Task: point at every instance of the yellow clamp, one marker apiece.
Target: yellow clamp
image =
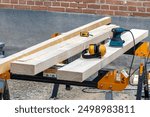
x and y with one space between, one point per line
5 75
143 50
111 82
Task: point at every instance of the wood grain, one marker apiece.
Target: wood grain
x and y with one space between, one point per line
5 62
81 69
42 60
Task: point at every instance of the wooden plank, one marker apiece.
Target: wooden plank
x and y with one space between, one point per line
42 60
5 62
81 69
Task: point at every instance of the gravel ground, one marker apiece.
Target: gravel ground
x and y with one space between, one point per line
24 90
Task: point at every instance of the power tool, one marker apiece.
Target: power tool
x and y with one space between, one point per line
95 51
85 34
116 40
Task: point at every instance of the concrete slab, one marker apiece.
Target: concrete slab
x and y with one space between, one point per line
21 29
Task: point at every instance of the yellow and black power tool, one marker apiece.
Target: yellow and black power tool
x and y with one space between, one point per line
95 51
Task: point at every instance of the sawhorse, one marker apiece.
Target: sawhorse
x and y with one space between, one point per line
4 91
143 81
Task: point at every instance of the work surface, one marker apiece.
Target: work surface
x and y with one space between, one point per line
34 27
42 60
81 69
52 54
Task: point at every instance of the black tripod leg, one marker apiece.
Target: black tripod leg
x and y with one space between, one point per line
146 85
146 92
55 91
139 88
68 87
1 96
1 89
109 95
6 95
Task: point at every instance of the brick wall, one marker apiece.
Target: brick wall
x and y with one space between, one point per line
105 7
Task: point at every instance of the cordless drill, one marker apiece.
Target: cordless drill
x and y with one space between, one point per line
116 40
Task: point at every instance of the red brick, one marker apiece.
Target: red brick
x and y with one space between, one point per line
120 13
73 5
5 1
123 8
134 3
14 1
94 6
64 0
117 2
132 8
47 3
146 4
22 1
148 9
22 7
141 9
55 3
73 10
39 8
38 3
6 6
30 2
105 12
78 1
141 14
105 7
114 7
81 5
90 11
102 1
58 9
64 4
78 5
89 1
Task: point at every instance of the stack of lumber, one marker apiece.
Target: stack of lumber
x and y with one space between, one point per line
5 63
42 60
46 54
81 69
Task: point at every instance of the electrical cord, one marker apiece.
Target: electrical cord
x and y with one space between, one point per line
132 61
102 91
132 75
134 71
89 88
133 54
